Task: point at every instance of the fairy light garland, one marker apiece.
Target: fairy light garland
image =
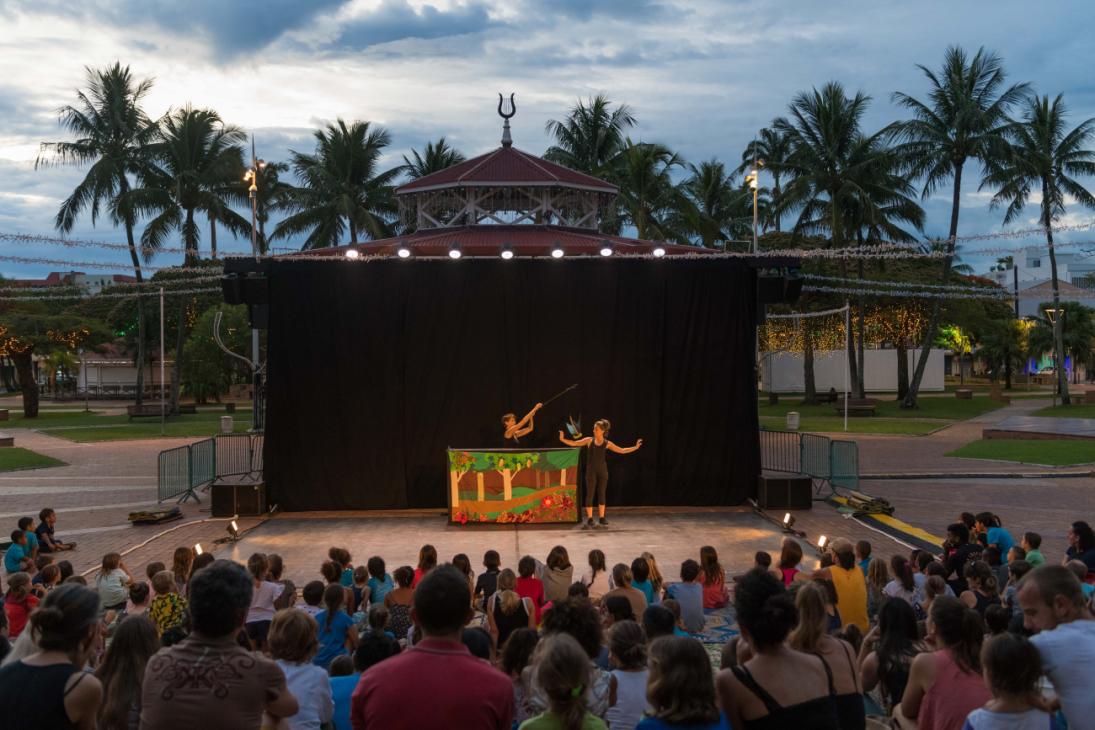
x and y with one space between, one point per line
151 292
151 283
101 265
959 288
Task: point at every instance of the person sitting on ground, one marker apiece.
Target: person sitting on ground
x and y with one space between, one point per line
507 611
478 641
790 559
200 561
122 671
997 619
399 600
1012 670
562 672
689 595
1081 545
275 566
220 595
962 551
887 653
312 594
945 685
863 556
674 607
66 569
49 577
380 583
40 563
461 562
514 658
292 644
336 633
1032 543
332 576
48 542
903 585
762 561
713 579
992 557
757 694
1053 607
995 534
342 678
139 599
373 649
1009 597
627 654
51 688
342 558
378 620
1080 571
656 579
168 608
621 578
850 585
640 580
557 574
17 557
265 594
614 609
658 621
596 577
427 561
182 565
579 618
529 586
810 637
19 603
1017 552
578 589
680 688
878 577
487 582
26 524
113 583
983 591
390 695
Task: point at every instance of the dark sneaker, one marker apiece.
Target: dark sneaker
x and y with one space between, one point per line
588 525
604 522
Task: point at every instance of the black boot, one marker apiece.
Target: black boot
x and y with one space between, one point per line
589 524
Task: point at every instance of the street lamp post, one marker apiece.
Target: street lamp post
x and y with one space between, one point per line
252 176
754 183
1056 318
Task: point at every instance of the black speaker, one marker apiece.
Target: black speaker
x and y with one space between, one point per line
255 290
793 491
232 289
246 499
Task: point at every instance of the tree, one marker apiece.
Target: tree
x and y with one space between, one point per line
709 207
1001 349
962 119
644 172
1042 155
112 134
340 187
1076 329
435 157
770 150
272 195
209 370
592 136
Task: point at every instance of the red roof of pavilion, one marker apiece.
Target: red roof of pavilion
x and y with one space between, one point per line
510 167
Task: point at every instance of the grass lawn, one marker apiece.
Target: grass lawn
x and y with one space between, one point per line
949 409
86 427
835 424
1052 453
1085 410
17 458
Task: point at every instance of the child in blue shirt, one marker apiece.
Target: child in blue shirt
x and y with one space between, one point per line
689 594
17 557
336 628
380 583
26 524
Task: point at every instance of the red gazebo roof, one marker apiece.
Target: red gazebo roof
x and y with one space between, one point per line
507 167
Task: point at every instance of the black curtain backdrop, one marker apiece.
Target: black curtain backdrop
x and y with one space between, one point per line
376 368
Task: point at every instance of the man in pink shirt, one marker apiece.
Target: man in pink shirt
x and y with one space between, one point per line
437 683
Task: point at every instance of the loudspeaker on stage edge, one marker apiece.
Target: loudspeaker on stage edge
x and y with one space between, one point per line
247 499
785 492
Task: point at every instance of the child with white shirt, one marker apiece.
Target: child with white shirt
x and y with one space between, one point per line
292 643
1012 668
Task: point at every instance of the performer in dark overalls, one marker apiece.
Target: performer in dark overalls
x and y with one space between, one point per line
597 466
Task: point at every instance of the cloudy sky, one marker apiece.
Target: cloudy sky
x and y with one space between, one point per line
701 75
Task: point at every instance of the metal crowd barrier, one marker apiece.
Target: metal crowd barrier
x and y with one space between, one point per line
185 469
832 461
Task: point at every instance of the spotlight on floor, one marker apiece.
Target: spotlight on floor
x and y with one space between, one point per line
788 521
658 252
233 531
403 252
507 253
197 548
454 252
557 252
822 542
352 253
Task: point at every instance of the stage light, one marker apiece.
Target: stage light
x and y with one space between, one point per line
606 248
788 521
352 253
507 253
197 548
403 252
557 252
822 542
658 252
233 531
454 252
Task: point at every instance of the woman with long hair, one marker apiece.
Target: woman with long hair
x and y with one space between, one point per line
983 590
878 576
790 560
811 637
557 574
657 582
181 563
946 685
122 672
903 585
679 687
596 577
888 651
399 600
427 561
713 579
507 611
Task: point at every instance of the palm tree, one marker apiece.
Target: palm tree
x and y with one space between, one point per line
647 195
1043 156
272 195
112 134
434 158
770 149
193 157
341 188
1074 325
710 207
962 119
1002 348
592 136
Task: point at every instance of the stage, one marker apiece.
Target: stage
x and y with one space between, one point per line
672 534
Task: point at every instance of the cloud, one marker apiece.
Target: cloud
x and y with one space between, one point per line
397 20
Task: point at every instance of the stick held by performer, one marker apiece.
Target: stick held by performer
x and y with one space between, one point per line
515 429
597 467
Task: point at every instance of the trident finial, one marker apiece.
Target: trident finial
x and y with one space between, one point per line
507 140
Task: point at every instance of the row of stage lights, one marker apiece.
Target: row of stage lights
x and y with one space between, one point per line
506 252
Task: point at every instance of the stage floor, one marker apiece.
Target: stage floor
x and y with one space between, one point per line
671 534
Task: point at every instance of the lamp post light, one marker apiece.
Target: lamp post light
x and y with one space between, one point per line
1056 317
252 176
753 179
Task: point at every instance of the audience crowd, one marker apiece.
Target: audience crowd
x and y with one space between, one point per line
982 633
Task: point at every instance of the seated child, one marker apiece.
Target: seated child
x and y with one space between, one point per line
313 598
168 608
689 595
